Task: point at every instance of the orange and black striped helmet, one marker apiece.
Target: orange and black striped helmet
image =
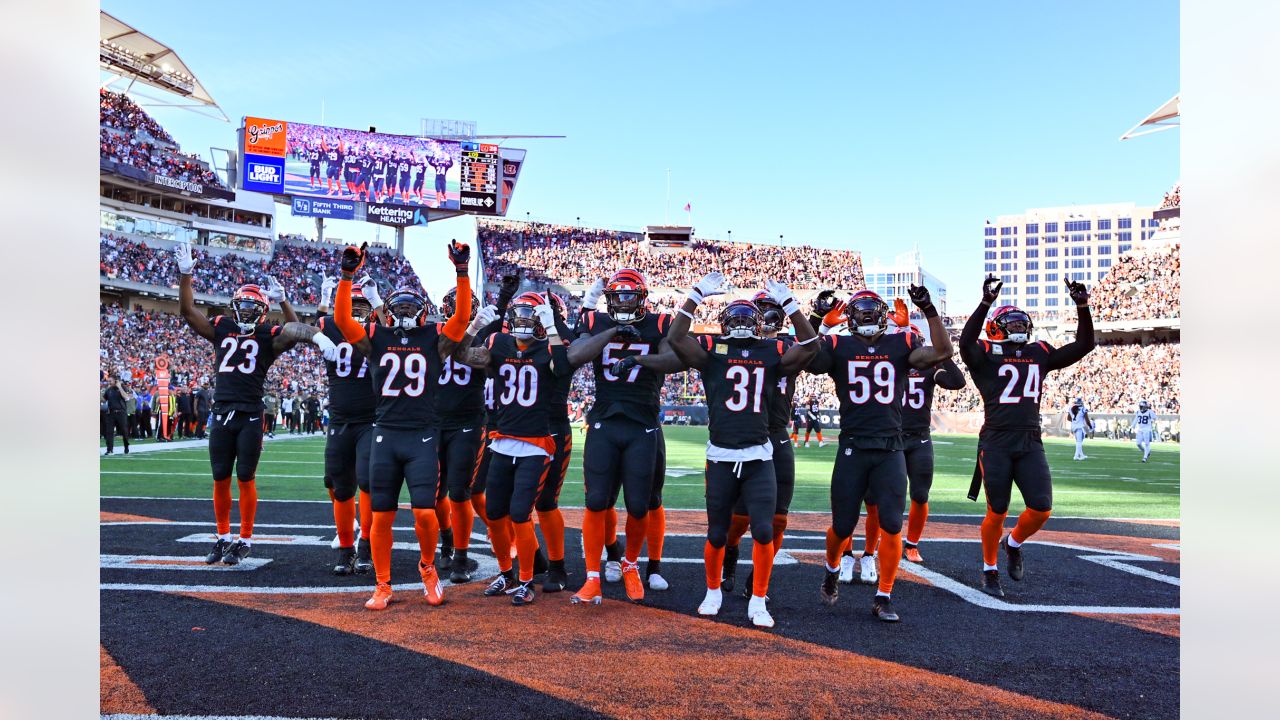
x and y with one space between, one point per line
625 295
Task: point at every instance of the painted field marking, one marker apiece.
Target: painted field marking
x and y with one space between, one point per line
170 562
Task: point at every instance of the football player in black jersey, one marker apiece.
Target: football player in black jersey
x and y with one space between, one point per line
1008 369
245 345
352 404
419 174
525 363
870 369
441 161
333 166
406 358
740 371
547 503
621 449
313 157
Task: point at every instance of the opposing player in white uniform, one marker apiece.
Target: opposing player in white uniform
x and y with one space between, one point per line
1078 414
1144 428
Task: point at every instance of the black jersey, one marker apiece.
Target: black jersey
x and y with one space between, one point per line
523 384
242 363
352 163
419 170
406 365
460 396
560 398
351 396
313 156
917 401
636 394
334 157
1009 377
782 396
441 164
870 380
404 167
380 167
366 163
739 379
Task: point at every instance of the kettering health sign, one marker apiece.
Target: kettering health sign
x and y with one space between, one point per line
336 209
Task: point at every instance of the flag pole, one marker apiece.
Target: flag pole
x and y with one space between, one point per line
666 214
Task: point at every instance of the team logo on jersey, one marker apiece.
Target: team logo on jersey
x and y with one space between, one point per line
997 350
871 349
377 438
848 452
596 426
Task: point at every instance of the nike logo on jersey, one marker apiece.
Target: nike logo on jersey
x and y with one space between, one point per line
646 432
427 439
467 430
785 442
253 419
926 442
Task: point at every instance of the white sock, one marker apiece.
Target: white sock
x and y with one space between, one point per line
986 567
758 598
247 542
593 574
884 595
224 536
1013 543
831 569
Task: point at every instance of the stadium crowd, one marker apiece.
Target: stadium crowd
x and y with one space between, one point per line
1141 285
132 137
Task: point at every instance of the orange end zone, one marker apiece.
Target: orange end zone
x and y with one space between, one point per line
1170 625
118 694
107 517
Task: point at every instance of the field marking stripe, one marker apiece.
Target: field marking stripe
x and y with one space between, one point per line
977 597
155 716
1116 564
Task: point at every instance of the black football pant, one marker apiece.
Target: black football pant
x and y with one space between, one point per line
784 469
270 424
1013 458
918 452
346 459
480 478
116 422
620 454
403 457
235 440
514 483
878 476
459 453
549 495
752 484
659 472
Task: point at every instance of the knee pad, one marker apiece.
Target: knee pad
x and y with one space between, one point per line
718 539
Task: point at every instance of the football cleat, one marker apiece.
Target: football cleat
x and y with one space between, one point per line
882 608
612 571
657 582
1015 558
557 578
346 563
711 603
830 587
758 613
730 572
381 597
589 594
459 572
500 586
431 583
912 553
868 572
446 549
991 583
848 566
631 581
219 549
236 552
523 594
364 557
822 443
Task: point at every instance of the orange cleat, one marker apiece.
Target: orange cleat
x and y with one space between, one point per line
590 593
632 582
381 597
913 554
431 583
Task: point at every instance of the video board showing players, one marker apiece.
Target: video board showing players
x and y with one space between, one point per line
302 160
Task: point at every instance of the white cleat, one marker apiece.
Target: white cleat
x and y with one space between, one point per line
758 613
657 582
847 569
613 571
821 444
867 571
711 603
806 444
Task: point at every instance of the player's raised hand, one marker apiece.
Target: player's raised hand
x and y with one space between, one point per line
460 256
546 315
510 283
484 316
275 291
369 288
592 297
834 317
1078 292
823 303
919 295
900 315
991 288
182 253
713 283
353 259
627 333
327 287
779 292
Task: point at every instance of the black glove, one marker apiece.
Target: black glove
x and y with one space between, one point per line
627 333
353 258
624 365
507 290
555 308
919 295
824 302
1078 292
991 289
460 256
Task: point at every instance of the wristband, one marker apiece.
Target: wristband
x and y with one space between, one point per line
687 314
930 311
695 295
791 307
806 342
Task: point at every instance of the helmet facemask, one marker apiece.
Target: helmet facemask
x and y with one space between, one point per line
405 310
868 316
773 316
741 321
248 311
523 322
1016 326
625 306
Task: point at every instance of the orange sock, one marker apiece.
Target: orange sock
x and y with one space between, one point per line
873 530
461 520
779 528
738 525
222 505
478 504
500 534
793 438
915 521
847 546
526 547
761 567
344 518
552 522
248 507
637 528
380 544
1029 522
611 526
593 533
366 514
656 533
427 529
835 546
890 556
992 527
713 560
819 436
442 514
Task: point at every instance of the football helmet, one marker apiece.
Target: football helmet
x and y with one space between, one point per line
361 308
522 320
868 313
1143 405
774 316
1079 402
450 303
407 309
625 295
1010 323
741 320
249 307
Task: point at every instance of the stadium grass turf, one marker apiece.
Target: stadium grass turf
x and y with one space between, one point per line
1112 483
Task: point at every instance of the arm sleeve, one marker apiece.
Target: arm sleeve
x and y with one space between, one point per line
1074 351
351 329
969 336
456 326
560 360
948 375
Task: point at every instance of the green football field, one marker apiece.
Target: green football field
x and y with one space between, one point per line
1111 483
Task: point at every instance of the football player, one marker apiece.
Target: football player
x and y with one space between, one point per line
1078 416
313 158
333 166
525 363
441 161
622 445
740 371
1008 370
1144 428
870 368
406 358
245 345
813 421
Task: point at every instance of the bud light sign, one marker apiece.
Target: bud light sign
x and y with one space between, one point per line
263 174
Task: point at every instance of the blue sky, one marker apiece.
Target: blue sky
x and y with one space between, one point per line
870 126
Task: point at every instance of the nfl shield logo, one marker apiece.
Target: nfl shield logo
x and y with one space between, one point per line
1018 353
745 353
404 340
871 349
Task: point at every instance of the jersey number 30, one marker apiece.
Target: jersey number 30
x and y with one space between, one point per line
1030 389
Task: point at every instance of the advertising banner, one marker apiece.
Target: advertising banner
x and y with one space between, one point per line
314 207
395 214
263 174
265 137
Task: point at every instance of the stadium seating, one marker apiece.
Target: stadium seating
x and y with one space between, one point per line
130 136
1144 284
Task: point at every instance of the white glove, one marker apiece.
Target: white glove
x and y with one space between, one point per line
327 288
547 317
370 290
182 253
327 348
275 291
713 283
782 294
484 317
593 295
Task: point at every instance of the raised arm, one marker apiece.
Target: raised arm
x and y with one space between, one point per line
186 295
352 332
546 315
973 326
689 351
1075 350
295 332
926 356
587 347
798 356
948 375
455 328
466 351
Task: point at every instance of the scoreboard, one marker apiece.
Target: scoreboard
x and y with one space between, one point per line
480 165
